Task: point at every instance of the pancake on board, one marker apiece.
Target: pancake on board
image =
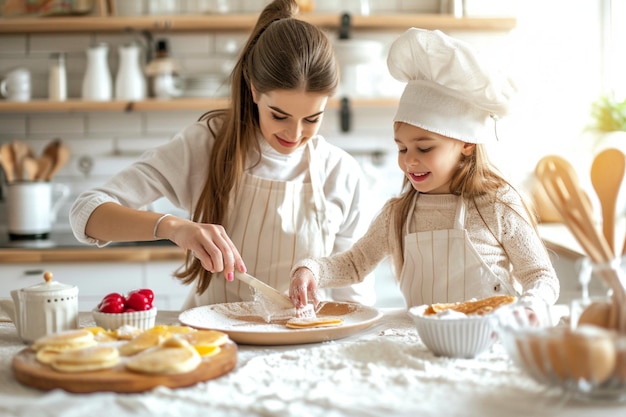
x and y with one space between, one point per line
173 356
91 358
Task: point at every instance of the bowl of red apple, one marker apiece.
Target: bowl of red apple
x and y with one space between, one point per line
134 309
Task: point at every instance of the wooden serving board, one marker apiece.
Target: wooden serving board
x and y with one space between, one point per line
29 371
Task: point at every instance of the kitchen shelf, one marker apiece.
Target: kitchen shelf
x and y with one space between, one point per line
77 105
226 22
186 23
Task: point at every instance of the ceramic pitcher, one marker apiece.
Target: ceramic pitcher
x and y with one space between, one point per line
130 83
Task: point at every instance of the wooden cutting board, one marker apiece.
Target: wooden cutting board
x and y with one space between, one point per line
33 373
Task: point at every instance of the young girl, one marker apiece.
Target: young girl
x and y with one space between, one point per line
459 230
259 183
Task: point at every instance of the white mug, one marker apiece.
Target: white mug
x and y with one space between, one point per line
32 207
15 85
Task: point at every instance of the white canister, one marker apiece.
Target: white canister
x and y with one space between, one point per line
45 308
130 82
16 85
32 207
97 84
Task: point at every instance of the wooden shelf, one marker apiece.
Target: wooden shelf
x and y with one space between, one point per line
82 106
239 22
228 22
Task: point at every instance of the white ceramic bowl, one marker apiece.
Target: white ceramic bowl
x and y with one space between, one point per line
457 337
591 368
112 321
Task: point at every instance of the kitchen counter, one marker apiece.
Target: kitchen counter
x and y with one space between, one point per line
63 247
558 237
384 371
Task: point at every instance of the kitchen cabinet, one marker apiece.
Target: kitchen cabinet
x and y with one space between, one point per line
96 279
228 22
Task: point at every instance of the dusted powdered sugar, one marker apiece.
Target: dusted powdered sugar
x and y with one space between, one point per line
385 372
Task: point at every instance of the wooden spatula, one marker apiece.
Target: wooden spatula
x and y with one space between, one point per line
59 154
559 180
7 158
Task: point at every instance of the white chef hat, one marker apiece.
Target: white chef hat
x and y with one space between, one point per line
448 90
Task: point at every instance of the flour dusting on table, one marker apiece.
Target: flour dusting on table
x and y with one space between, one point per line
334 379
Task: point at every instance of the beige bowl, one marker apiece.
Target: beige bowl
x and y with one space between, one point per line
112 321
453 336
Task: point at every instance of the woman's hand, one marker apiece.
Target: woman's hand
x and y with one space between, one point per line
208 242
303 285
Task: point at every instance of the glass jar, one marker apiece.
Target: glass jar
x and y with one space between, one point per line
57 81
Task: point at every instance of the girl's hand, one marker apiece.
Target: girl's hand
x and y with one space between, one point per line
208 242
303 285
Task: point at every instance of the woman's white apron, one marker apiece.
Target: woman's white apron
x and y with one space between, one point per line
442 266
272 225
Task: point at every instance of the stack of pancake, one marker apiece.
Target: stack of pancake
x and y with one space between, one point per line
159 350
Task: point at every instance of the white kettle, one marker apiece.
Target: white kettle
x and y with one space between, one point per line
43 309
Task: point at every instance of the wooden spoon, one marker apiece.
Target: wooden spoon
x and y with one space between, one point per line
21 151
7 159
30 167
51 150
607 174
44 165
62 156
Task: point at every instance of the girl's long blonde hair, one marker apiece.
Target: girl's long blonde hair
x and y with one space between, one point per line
282 53
475 177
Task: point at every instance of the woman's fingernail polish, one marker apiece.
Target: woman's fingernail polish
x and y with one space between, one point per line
230 276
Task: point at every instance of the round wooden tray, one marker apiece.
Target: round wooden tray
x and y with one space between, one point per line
31 372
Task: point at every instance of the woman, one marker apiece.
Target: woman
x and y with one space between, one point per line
262 188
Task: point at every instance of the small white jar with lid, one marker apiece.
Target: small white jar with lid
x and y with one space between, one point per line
45 308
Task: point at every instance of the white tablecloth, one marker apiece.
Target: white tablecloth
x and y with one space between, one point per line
384 371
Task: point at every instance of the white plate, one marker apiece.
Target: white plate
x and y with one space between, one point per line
243 325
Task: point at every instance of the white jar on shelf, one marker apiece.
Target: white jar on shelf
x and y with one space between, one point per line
97 83
130 82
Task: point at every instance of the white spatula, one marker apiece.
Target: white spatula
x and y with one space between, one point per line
279 299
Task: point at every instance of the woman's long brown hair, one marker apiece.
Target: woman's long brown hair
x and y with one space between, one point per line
282 53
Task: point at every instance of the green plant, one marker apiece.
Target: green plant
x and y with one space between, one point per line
609 115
